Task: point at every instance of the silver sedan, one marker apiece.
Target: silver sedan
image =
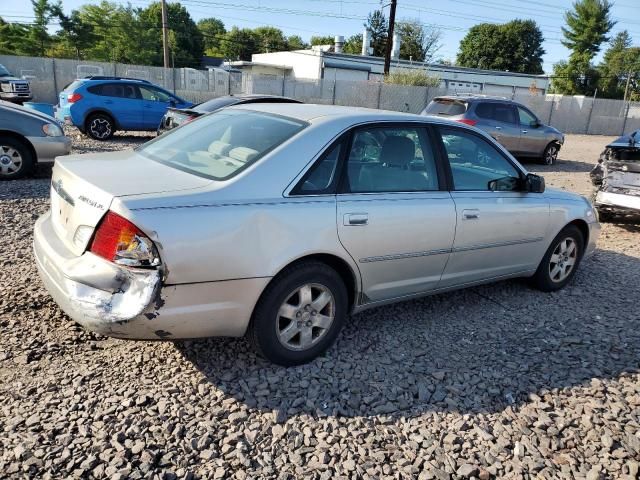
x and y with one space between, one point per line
277 221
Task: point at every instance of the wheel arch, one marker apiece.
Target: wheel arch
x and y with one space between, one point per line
340 265
22 139
583 227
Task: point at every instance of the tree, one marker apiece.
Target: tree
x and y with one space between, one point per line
11 36
515 46
295 42
621 62
353 44
186 40
75 38
269 39
322 40
239 44
212 31
416 42
378 27
38 38
587 27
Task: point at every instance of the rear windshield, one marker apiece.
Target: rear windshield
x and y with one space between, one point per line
215 104
73 85
220 145
445 106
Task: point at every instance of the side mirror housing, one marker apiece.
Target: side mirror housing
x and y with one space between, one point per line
534 183
535 124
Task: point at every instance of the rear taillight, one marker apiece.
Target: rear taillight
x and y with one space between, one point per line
120 241
468 121
74 97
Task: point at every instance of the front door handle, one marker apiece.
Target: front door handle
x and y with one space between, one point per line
472 214
524 131
498 128
356 218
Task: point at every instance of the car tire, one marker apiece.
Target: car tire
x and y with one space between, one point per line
561 260
291 323
16 159
550 154
100 126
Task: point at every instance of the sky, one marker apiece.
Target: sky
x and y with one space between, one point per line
346 17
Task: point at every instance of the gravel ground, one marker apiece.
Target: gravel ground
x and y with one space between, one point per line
495 381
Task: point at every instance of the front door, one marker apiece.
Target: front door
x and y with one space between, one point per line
533 139
392 216
124 102
156 103
500 227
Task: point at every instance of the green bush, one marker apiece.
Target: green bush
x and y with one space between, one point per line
416 78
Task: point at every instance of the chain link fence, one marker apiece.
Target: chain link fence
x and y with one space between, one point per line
569 114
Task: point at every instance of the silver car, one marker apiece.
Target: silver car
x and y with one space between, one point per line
512 124
28 137
277 221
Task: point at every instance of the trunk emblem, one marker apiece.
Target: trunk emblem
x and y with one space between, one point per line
57 186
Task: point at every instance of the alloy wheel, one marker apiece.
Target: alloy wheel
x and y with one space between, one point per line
305 316
10 160
551 155
100 127
563 260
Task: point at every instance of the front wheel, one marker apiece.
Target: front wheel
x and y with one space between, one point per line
299 314
100 126
16 160
550 154
560 262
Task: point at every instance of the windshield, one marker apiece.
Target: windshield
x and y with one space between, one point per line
4 72
222 144
444 106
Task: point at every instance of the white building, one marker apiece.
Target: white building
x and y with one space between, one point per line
318 63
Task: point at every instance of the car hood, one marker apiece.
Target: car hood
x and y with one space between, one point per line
27 111
12 78
631 140
559 194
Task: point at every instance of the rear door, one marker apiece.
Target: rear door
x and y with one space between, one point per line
533 139
122 101
393 217
499 231
499 120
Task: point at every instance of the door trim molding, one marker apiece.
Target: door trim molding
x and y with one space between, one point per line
498 244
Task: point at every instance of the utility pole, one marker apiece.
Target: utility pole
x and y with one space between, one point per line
165 34
392 21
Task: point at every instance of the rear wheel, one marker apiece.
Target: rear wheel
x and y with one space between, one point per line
550 154
300 314
16 160
100 126
560 262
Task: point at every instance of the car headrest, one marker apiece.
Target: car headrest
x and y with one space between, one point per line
398 151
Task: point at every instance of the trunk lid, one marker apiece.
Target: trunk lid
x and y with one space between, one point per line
84 186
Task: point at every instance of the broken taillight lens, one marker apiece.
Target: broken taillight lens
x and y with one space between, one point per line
120 241
468 121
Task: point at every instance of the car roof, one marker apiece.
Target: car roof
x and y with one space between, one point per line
474 98
308 112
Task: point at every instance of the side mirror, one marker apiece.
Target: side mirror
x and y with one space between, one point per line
534 124
505 184
534 183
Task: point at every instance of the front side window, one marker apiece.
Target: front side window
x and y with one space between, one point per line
476 164
390 159
154 95
220 145
526 118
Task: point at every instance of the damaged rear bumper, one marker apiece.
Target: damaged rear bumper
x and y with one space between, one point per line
132 303
618 203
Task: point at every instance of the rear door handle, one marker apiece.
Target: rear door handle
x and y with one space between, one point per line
356 218
498 128
524 131
108 102
471 214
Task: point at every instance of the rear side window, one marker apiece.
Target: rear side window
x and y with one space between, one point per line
321 178
119 90
500 112
445 106
73 85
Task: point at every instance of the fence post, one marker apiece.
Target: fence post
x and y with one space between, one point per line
173 79
379 93
115 69
626 115
333 97
553 101
55 80
593 101
283 82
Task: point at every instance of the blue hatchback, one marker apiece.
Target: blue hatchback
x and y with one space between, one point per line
99 106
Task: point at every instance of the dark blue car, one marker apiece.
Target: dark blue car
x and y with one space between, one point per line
99 106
